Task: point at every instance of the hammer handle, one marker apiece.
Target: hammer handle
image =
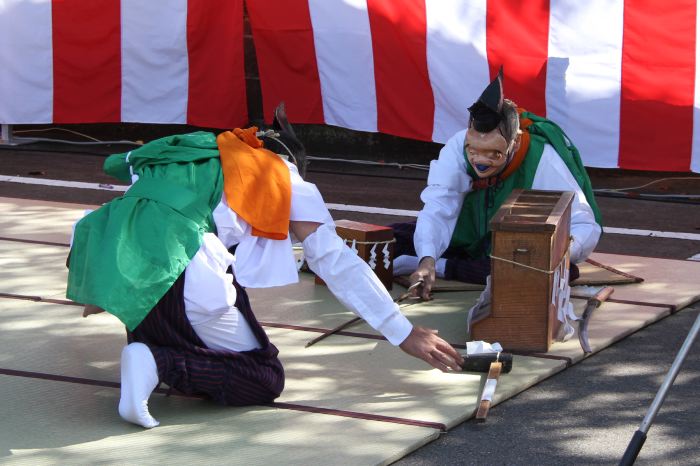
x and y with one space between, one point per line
488 391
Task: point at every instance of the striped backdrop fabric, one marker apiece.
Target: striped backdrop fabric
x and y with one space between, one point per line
80 61
620 77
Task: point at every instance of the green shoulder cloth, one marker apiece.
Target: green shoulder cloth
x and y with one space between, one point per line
556 137
129 252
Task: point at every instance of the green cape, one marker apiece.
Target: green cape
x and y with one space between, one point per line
128 253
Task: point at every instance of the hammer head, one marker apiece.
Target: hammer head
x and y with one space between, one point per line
482 362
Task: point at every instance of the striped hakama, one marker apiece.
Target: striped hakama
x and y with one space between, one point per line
187 365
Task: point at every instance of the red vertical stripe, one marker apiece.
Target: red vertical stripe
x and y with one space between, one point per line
284 45
405 105
517 35
86 61
658 81
217 93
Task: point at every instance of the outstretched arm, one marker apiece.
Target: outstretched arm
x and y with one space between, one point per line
351 280
442 198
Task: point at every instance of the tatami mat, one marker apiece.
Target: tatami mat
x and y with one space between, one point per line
344 373
33 269
38 270
56 339
351 374
39 220
609 323
47 422
666 281
371 376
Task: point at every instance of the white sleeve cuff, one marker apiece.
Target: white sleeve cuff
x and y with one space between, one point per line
426 250
396 328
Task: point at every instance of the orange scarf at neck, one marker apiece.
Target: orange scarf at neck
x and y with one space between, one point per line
257 183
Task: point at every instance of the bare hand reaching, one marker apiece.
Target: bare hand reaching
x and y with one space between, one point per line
424 343
426 273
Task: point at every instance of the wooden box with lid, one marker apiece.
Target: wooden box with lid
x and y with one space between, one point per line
373 243
529 270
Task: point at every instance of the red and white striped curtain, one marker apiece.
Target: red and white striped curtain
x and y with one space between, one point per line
86 61
618 76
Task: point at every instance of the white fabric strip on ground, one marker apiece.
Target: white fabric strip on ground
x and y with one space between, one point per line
340 207
584 76
651 233
343 43
155 70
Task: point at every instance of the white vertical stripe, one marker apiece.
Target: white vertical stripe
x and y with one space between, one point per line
154 61
584 75
26 62
457 61
343 43
695 152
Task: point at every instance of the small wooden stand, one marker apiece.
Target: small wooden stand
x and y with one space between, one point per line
529 259
373 243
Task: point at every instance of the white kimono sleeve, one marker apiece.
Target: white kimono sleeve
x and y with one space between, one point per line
347 276
263 262
351 280
448 183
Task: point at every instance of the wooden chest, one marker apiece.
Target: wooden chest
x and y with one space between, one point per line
529 270
373 243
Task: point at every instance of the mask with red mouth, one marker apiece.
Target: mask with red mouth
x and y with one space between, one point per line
493 135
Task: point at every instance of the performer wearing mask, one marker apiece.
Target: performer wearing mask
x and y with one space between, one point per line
503 148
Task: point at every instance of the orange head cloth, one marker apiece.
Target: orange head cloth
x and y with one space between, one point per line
257 183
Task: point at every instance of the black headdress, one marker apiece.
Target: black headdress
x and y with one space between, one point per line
486 113
283 140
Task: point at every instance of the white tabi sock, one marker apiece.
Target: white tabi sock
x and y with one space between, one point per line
139 378
405 265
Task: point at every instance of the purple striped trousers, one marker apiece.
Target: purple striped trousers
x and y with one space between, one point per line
187 365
